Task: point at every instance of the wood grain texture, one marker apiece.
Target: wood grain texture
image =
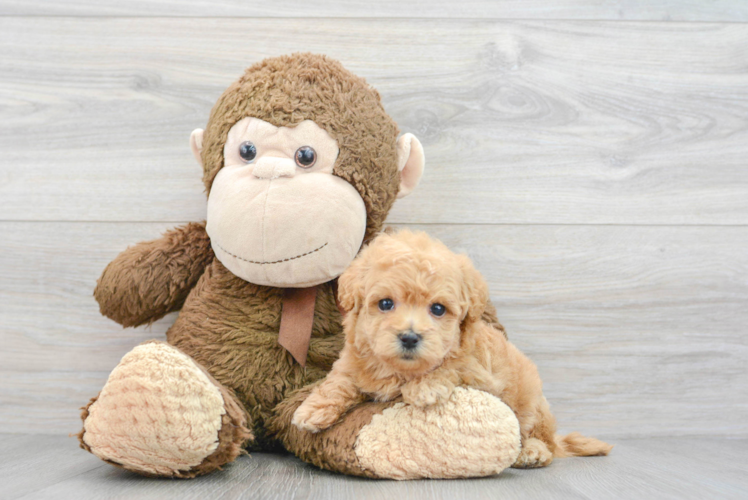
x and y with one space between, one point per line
523 122
652 468
636 330
31 462
659 10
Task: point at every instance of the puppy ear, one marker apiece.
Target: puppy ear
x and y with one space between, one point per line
474 290
351 284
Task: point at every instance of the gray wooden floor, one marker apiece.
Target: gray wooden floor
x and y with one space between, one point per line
35 466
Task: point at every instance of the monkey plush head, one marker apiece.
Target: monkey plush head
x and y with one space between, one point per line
301 164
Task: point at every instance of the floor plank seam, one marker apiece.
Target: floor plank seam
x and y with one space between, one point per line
380 18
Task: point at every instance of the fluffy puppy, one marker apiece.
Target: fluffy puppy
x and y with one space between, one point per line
413 328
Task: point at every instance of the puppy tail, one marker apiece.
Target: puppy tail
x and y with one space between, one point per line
577 445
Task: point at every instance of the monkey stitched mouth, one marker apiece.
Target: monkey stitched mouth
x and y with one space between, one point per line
275 261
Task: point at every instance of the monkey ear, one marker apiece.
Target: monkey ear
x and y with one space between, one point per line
196 144
410 162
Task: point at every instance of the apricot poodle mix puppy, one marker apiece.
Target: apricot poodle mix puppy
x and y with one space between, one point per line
413 328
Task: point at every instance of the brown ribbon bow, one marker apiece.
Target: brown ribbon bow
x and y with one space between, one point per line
297 318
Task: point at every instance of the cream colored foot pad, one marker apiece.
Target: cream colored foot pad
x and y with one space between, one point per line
473 434
157 413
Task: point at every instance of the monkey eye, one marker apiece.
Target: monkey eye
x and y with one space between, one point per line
247 151
438 310
386 304
306 156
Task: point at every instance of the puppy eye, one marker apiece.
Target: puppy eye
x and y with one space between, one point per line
438 309
247 151
386 305
306 157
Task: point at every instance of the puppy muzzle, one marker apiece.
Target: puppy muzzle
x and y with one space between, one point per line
409 342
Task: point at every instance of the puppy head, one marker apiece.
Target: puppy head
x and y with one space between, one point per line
408 300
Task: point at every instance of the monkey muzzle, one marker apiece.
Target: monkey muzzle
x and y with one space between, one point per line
284 231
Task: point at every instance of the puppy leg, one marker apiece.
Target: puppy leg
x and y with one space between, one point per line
534 454
327 402
538 430
430 389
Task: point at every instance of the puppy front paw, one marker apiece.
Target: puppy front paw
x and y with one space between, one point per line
425 393
309 417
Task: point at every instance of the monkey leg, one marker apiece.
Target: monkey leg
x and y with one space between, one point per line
161 414
472 434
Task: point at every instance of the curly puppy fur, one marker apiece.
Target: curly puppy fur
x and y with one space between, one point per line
455 347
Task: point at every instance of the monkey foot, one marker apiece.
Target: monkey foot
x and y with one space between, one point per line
161 414
472 434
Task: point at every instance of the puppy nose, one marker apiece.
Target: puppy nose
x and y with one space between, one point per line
409 340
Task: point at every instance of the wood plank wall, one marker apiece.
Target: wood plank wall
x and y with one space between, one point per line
590 156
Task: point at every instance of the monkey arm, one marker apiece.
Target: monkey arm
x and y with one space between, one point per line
473 434
153 278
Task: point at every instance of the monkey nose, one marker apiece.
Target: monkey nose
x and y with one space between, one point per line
272 167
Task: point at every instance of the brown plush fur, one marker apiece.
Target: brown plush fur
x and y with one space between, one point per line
229 326
153 278
331 449
455 348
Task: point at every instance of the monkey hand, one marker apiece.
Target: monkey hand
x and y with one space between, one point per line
153 278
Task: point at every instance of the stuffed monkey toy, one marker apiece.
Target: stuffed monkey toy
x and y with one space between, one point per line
301 165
